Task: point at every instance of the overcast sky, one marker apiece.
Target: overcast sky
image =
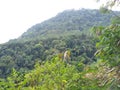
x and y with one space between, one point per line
16 16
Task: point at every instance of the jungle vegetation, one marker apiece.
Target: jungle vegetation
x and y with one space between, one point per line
35 61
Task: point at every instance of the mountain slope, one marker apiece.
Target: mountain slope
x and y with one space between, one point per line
68 20
52 38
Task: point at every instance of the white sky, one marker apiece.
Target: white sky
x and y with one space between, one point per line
16 16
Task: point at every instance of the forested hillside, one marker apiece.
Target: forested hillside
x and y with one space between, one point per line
69 30
35 61
23 56
68 20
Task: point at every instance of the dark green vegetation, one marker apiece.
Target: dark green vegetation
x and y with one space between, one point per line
35 61
22 56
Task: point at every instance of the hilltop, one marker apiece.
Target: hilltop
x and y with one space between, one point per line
68 21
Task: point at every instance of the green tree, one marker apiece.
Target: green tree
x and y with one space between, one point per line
109 37
109 44
54 74
109 5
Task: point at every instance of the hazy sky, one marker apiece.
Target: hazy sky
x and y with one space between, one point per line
16 16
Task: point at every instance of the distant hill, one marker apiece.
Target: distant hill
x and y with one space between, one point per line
68 20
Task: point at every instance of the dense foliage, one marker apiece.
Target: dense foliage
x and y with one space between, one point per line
53 75
35 61
109 45
22 56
